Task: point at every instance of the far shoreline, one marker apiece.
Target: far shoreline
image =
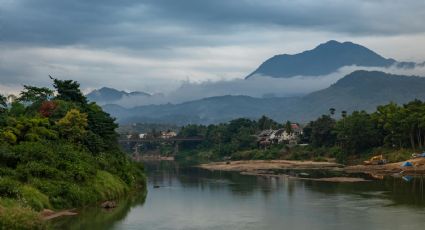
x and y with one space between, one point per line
268 168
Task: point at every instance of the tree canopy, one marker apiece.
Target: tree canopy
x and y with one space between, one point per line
62 149
68 90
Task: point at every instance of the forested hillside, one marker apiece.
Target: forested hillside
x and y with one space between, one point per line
360 90
58 151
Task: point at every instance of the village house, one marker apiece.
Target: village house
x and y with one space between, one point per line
268 137
168 134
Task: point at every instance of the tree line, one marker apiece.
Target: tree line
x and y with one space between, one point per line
354 134
227 139
392 126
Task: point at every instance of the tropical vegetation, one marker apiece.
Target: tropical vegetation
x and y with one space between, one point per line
58 151
235 139
393 130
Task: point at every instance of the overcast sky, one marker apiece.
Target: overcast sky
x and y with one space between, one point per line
154 45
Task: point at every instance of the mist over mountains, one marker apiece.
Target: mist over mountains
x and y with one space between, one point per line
324 59
298 87
360 90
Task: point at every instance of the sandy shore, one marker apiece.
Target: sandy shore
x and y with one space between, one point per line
256 165
418 168
264 168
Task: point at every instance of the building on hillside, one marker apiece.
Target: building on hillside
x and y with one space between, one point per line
142 135
263 138
168 134
269 136
296 129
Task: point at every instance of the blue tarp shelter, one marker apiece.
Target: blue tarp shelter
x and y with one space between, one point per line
407 164
407 178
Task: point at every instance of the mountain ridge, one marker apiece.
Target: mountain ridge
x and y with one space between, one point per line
359 90
324 59
108 95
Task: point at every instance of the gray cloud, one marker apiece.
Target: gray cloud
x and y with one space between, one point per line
163 23
155 45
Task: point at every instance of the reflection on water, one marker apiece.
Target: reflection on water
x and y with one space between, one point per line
190 198
99 218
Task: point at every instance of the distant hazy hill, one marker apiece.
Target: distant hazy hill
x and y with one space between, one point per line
205 111
324 59
363 90
360 90
107 95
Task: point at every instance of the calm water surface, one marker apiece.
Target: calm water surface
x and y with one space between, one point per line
197 199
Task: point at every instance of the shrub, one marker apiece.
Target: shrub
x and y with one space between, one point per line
35 151
4 171
63 194
19 217
7 157
244 155
320 159
34 169
109 186
9 187
8 136
399 155
34 198
340 155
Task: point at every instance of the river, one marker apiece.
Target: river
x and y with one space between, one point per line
191 198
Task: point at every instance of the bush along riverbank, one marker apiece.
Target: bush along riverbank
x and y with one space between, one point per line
57 151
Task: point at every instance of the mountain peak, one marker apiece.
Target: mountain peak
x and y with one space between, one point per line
324 59
109 95
333 44
330 43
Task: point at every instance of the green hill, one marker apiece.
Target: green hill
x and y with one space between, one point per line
360 90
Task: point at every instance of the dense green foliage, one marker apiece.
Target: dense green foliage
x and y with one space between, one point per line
236 139
390 127
59 152
393 130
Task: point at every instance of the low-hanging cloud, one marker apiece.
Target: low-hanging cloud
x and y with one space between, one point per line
260 86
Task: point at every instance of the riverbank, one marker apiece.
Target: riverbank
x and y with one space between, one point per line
32 209
280 167
155 158
256 165
390 168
